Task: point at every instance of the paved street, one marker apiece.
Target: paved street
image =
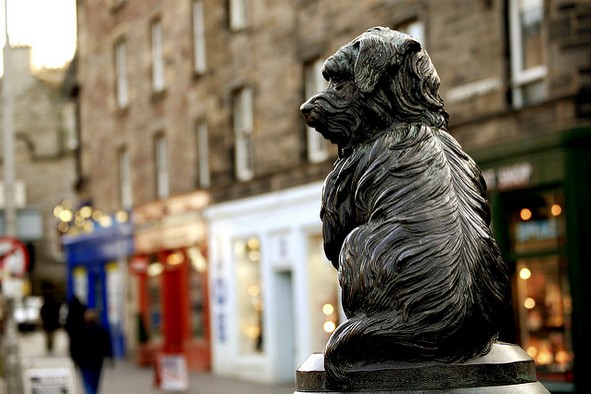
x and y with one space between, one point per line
126 377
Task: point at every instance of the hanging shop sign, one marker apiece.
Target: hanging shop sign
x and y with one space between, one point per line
171 223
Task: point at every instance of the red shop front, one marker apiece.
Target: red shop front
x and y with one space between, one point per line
170 280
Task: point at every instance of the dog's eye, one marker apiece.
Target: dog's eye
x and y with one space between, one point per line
337 83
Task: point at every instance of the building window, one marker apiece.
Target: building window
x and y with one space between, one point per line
202 155
317 146
154 271
197 292
237 14
125 183
70 125
161 160
528 68
249 295
199 64
121 88
157 56
537 229
415 29
243 125
324 294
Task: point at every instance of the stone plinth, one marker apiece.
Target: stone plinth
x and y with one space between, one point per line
506 368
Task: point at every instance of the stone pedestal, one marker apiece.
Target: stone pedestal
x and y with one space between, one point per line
507 368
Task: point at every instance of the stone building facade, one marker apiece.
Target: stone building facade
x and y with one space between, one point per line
185 96
44 164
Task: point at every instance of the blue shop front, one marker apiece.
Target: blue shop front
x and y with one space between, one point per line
97 274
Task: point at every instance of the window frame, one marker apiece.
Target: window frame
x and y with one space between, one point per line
161 166
198 30
237 14
520 76
314 82
201 136
121 77
125 178
157 55
243 124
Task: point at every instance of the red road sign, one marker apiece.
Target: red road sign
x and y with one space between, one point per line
14 258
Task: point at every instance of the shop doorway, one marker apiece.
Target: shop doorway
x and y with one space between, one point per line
536 248
284 325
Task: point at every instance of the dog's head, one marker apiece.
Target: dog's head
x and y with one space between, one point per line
379 79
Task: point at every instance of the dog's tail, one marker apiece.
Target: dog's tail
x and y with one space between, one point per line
373 340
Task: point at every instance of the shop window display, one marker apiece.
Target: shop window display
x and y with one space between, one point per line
249 295
544 307
198 292
155 269
324 293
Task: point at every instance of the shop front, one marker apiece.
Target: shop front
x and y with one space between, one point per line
97 273
169 271
539 193
275 297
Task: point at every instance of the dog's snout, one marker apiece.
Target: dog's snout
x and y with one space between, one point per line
307 108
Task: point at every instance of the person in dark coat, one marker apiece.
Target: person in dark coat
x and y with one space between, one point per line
91 346
50 317
73 323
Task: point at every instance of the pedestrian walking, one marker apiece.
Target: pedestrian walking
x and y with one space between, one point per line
91 346
50 316
73 323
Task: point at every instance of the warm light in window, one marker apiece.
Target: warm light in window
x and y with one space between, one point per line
529 303
532 351
79 221
524 273
562 357
57 210
254 255
121 216
329 326
253 244
544 357
253 290
556 209
253 331
327 309
525 214
88 227
155 269
198 261
175 258
97 215
65 215
105 221
259 306
86 211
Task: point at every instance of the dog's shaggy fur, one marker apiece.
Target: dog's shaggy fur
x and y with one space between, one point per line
405 214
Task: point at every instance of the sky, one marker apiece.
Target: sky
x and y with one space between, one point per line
48 26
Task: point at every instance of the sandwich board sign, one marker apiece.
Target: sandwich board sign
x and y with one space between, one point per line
49 375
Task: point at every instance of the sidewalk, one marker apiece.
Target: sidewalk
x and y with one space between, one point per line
126 377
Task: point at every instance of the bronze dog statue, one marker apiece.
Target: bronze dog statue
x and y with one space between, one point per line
404 212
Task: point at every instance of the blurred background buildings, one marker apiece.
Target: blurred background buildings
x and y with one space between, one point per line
45 146
195 224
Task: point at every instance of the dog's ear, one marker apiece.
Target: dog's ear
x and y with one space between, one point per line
377 51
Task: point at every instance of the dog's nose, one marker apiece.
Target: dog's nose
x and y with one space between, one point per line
306 108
